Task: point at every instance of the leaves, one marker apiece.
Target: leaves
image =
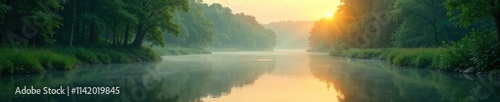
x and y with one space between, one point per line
468 12
479 50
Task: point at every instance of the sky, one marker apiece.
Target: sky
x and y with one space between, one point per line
267 11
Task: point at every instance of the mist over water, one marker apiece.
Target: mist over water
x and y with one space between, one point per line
279 76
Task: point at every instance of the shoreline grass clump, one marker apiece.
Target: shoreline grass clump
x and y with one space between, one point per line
32 60
477 52
24 60
418 57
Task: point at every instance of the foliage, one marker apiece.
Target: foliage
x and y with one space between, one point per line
420 58
479 50
469 12
200 31
88 22
68 33
24 17
32 60
217 27
398 23
357 24
239 30
36 60
423 23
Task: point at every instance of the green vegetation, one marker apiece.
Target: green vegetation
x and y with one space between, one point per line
216 26
36 60
461 33
480 50
239 30
59 34
26 60
418 57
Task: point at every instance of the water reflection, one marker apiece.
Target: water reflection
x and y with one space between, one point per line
290 81
180 79
259 77
366 80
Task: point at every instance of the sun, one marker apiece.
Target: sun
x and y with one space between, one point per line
329 15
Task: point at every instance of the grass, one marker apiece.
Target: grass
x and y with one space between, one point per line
37 60
418 57
180 51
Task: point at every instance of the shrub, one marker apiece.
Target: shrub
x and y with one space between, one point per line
480 50
34 60
30 60
422 57
6 66
51 60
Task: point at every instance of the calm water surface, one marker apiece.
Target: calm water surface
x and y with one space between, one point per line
280 76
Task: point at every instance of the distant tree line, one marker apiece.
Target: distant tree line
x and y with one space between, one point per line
216 26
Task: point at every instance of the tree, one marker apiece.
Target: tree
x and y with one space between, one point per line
156 16
356 24
239 31
470 12
420 21
29 21
200 31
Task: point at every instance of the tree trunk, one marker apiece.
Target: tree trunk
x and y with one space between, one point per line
92 32
96 36
497 22
77 30
436 41
446 32
82 39
72 25
139 37
125 40
4 28
114 35
107 37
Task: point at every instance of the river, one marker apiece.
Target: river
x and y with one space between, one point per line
279 76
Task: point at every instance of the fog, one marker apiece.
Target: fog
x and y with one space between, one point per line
291 35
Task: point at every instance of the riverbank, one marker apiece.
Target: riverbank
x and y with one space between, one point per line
36 60
180 51
433 58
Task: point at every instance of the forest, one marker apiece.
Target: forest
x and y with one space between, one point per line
456 35
42 35
214 26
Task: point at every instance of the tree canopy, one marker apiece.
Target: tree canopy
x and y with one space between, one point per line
401 23
130 23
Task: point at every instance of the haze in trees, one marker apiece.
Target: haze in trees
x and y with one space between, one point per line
394 23
291 34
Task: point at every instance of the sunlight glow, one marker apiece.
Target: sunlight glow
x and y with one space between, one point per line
266 11
329 15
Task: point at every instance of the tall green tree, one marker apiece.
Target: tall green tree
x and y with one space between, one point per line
470 12
200 31
421 23
155 17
